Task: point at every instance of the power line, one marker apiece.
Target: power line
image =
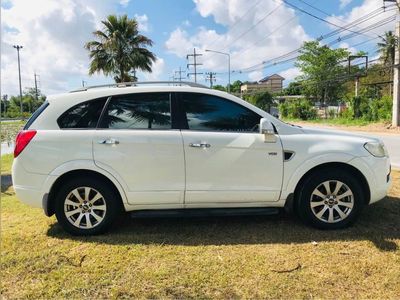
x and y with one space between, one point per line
358 21
273 62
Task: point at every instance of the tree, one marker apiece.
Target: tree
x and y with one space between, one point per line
262 100
322 71
386 48
119 49
235 86
293 89
219 87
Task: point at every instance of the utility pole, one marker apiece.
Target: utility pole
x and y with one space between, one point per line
396 73
18 47
210 77
180 72
229 65
194 64
36 89
396 82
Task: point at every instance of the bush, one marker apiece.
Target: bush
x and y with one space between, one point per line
331 113
283 110
370 109
299 109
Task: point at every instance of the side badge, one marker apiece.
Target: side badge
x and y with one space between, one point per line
272 153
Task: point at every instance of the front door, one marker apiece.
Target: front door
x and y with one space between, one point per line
136 143
227 159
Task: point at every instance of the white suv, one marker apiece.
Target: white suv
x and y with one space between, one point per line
86 155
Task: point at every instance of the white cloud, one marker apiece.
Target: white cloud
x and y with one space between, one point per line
53 34
352 50
271 37
344 3
158 70
255 76
143 22
124 3
290 74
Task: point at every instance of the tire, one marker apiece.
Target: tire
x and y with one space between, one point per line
86 206
335 208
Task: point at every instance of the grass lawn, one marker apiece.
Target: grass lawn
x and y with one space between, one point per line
238 257
10 129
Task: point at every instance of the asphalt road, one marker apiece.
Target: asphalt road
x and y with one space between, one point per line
392 143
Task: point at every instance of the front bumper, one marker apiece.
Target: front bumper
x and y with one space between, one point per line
377 173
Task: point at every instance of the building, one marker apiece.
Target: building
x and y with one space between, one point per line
273 84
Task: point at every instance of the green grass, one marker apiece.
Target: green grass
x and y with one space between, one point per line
237 257
6 163
334 121
9 130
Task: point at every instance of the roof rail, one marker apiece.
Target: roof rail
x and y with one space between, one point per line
130 84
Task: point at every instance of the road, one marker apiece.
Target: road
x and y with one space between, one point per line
392 143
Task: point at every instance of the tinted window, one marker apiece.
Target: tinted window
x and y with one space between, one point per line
83 115
36 114
211 113
138 111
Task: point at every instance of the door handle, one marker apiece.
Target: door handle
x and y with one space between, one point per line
199 145
108 142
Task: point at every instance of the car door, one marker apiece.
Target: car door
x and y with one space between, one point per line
227 159
136 142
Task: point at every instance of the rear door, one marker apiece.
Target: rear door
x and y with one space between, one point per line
227 160
137 142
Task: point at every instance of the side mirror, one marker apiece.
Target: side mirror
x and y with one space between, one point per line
267 129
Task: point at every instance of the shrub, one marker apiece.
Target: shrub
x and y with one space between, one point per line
299 109
283 109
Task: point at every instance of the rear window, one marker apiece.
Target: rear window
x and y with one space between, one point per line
36 114
138 111
82 116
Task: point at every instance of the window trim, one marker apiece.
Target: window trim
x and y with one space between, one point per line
84 102
172 108
36 114
184 125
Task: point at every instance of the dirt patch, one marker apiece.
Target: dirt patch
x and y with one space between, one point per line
382 128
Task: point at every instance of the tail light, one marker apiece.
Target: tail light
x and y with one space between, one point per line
22 140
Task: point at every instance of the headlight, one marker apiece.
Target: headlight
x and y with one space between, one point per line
376 149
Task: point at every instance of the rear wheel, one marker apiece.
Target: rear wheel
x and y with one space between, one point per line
330 199
86 206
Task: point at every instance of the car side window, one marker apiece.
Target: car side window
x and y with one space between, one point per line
82 116
138 111
211 113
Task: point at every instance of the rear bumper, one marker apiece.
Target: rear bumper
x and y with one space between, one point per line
31 188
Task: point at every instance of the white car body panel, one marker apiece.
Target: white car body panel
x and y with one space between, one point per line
149 162
158 169
254 167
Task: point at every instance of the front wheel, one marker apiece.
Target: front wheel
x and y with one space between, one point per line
330 199
86 206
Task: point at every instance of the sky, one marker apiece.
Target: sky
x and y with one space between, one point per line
254 33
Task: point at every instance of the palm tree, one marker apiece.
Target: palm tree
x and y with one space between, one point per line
387 47
119 49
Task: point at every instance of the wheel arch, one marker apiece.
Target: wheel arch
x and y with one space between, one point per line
50 199
334 165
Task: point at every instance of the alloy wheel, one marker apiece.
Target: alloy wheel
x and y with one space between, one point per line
332 201
85 207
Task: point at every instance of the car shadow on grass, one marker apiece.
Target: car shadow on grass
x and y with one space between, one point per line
379 223
6 182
